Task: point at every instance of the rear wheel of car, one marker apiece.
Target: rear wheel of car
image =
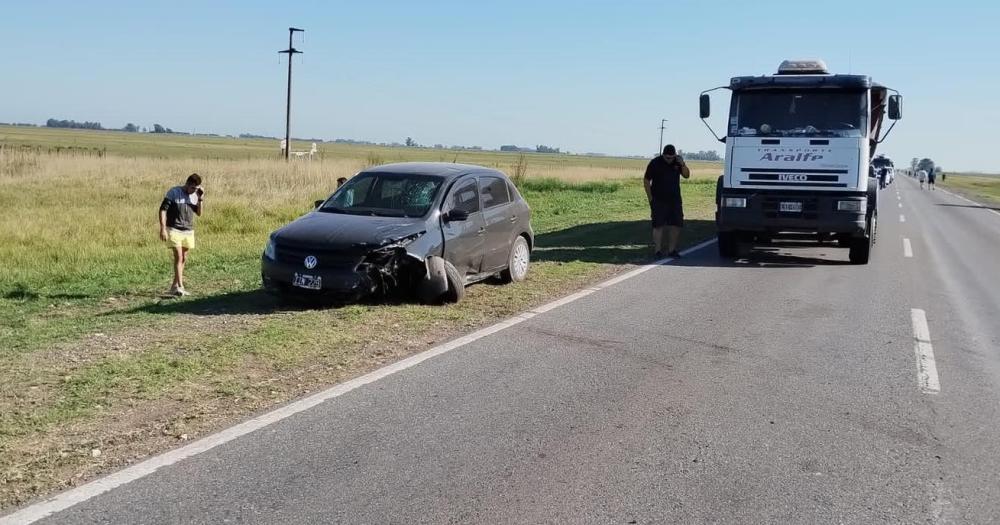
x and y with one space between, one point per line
456 285
517 262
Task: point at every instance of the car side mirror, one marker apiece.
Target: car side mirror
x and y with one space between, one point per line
318 203
895 107
705 105
456 215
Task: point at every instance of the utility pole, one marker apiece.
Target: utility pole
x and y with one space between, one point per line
663 126
291 52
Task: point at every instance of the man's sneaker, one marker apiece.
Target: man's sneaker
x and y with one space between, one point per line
172 290
181 292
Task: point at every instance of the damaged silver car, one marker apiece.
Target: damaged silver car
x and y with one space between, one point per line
409 230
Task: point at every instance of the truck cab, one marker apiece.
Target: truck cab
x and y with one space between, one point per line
799 146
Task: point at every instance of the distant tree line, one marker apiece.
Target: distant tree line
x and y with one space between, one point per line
711 155
54 123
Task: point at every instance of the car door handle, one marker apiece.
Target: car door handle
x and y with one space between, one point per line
481 231
513 218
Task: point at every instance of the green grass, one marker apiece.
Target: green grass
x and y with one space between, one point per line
985 189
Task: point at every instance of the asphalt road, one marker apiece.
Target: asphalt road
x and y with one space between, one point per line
787 387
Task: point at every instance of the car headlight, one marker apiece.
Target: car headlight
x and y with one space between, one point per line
854 205
269 250
734 202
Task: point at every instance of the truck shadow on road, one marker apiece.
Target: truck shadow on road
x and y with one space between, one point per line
613 242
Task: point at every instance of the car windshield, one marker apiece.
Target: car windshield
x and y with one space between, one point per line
811 113
384 195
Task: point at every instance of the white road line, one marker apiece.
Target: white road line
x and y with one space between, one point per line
978 205
902 218
927 376
71 497
907 249
901 205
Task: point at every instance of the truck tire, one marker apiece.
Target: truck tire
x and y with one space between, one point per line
728 245
861 247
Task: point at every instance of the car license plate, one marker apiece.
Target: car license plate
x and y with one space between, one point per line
790 207
309 282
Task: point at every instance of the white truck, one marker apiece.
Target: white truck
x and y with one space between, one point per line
798 151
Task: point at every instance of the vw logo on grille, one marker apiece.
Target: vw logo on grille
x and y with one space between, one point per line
310 262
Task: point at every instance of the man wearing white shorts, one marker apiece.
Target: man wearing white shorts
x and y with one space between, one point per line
177 212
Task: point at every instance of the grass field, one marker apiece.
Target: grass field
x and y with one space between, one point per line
96 370
982 188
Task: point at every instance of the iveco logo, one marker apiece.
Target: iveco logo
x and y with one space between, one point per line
792 176
310 262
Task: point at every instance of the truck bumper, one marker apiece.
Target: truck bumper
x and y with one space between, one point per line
819 213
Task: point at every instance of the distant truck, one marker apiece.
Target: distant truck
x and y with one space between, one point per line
798 149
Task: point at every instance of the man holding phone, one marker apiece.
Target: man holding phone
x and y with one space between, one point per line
663 190
177 212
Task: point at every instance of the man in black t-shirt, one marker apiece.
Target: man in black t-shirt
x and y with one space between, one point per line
177 212
663 190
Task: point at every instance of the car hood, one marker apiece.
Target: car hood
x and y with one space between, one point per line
346 232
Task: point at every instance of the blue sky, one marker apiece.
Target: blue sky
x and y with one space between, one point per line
583 76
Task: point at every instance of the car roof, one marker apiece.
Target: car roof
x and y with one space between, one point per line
445 170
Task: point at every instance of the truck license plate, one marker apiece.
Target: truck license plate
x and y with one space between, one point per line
790 207
309 282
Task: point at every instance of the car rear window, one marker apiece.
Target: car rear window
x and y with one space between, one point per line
494 190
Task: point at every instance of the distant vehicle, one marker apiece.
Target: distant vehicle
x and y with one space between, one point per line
798 149
884 170
423 229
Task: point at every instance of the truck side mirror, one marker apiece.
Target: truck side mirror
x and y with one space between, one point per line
895 109
318 203
705 105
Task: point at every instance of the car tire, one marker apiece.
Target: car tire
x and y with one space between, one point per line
728 245
456 285
517 261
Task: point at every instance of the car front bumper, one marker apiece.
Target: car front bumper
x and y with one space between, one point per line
342 283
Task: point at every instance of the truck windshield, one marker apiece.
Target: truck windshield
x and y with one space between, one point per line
385 194
811 113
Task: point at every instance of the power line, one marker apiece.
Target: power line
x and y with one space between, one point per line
291 51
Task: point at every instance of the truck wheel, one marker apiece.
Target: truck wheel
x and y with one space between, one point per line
456 285
728 245
861 248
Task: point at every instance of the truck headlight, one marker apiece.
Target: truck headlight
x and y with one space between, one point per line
855 205
734 202
269 250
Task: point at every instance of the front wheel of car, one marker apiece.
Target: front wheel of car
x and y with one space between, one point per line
456 284
517 262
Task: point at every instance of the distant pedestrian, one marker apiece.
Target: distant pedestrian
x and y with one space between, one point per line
922 176
663 190
930 179
177 212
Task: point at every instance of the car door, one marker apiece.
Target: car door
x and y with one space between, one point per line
464 241
499 218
